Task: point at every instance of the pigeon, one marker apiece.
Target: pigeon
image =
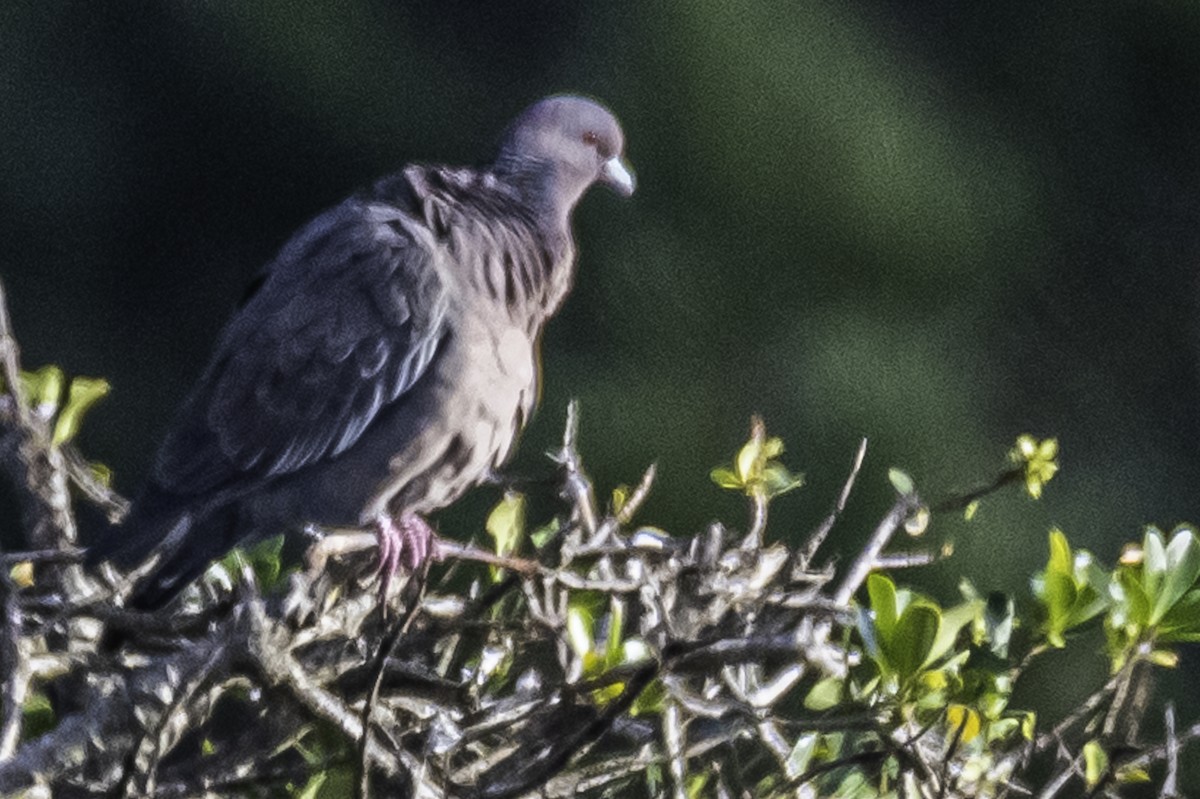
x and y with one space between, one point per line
382 364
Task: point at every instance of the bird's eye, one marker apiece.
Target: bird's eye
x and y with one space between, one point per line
591 139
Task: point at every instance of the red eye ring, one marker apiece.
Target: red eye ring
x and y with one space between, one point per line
591 139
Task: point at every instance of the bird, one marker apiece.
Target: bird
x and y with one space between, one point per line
382 364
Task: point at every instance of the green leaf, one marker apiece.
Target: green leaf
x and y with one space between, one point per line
1059 597
749 457
43 389
1154 562
613 650
506 523
1135 601
650 701
1182 569
953 620
335 782
963 721
1095 763
38 715
901 481
695 784
264 559
882 593
580 624
1060 553
802 753
82 395
779 480
1182 622
543 534
914 636
825 694
726 478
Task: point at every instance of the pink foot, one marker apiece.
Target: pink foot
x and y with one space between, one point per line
407 542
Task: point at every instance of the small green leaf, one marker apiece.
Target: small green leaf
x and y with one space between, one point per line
102 474
506 523
1029 726
748 458
1182 622
38 715
82 395
580 624
901 481
802 753
1060 553
952 622
725 478
1059 597
620 495
1154 561
616 631
882 593
543 534
1095 763
43 390
695 784
650 701
915 633
22 574
963 721
1131 775
825 694
1182 568
1164 658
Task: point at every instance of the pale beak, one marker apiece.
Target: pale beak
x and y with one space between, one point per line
617 174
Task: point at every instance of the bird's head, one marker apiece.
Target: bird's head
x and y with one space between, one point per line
565 144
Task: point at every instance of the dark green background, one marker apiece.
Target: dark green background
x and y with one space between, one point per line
935 224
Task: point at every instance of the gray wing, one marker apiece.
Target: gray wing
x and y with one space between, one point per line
348 318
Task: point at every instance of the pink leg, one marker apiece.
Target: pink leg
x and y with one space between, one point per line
407 542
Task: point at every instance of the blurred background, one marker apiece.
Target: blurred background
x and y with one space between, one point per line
934 224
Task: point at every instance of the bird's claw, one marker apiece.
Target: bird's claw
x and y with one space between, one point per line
407 542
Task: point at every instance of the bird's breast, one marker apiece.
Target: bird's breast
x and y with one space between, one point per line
485 385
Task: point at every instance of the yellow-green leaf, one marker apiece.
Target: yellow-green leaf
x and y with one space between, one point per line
579 629
964 720
825 694
43 389
22 574
901 481
1095 763
506 523
82 395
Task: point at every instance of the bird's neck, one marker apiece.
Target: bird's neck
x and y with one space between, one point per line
543 187
530 257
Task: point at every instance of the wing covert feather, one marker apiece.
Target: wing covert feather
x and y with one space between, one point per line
348 319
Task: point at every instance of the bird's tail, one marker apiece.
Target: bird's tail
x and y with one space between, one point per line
184 542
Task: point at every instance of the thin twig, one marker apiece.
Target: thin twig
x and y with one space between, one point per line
867 558
386 645
1170 786
575 483
10 361
809 550
15 668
